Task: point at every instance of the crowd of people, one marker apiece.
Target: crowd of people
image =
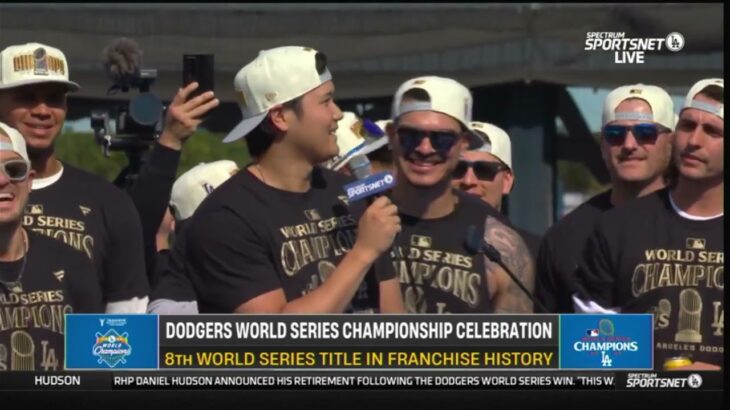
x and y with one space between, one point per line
279 235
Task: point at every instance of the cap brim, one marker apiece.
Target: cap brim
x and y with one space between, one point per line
244 127
377 144
475 141
72 86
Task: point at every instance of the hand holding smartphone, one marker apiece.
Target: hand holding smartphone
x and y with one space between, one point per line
200 68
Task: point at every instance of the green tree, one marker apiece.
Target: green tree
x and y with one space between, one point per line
80 149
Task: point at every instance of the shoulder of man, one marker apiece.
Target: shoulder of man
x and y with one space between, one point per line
589 210
474 205
636 210
97 186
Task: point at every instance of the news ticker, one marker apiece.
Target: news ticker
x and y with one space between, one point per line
374 342
359 380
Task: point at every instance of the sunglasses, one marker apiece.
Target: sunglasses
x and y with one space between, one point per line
15 169
482 169
441 141
644 133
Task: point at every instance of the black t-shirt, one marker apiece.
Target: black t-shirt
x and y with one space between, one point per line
99 220
173 280
150 194
248 238
55 280
645 258
560 250
437 270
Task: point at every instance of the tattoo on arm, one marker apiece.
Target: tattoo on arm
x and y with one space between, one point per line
509 298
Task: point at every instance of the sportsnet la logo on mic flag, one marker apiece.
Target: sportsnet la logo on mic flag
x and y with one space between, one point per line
607 342
374 184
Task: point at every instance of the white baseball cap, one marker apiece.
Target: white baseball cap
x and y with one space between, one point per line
274 77
497 141
662 107
192 187
355 136
446 96
690 102
380 142
33 63
16 144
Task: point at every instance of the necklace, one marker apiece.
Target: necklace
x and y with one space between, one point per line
16 285
263 179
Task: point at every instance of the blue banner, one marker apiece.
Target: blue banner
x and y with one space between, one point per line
111 341
607 342
374 184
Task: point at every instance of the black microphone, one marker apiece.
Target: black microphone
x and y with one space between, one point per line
476 243
122 60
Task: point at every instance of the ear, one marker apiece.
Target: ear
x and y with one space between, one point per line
507 182
278 119
390 132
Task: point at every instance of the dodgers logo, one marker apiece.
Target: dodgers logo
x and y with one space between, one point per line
606 342
112 348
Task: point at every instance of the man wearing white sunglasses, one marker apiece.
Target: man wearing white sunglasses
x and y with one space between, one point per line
41 279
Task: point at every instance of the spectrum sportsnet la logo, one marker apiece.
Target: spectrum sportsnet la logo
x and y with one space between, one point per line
631 50
653 381
369 186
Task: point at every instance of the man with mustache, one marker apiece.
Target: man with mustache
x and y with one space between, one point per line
664 253
438 272
636 144
486 172
280 236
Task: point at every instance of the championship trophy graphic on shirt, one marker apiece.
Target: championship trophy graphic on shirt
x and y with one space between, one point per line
23 350
690 313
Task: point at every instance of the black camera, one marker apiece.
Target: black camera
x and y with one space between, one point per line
138 123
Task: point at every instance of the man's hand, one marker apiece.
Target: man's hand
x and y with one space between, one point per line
377 228
183 117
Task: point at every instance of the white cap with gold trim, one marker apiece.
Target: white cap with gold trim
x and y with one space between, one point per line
33 63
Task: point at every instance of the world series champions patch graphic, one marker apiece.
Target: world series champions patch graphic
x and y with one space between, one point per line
112 348
111 342
606 342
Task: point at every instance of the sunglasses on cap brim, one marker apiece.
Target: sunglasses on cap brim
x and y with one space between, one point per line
441 141
644 133
485 170
15 169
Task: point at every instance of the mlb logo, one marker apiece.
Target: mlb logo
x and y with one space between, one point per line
695 243
420 241
592 332
34 209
